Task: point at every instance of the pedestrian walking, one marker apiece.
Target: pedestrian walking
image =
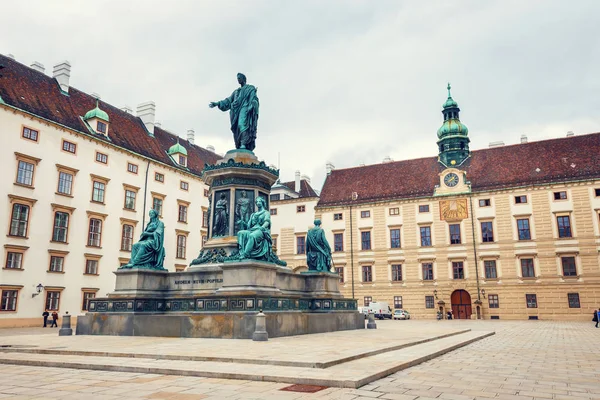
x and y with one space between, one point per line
54 320
596 318
45 314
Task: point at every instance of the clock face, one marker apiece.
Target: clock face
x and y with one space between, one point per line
451 179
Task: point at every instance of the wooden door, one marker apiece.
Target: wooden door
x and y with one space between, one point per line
461 304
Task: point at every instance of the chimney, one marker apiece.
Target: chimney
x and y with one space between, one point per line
146 112
12 57
210 147
306 178
95 95
570 133
362 164
387 159
190 136
523 138
157 124
38 66
297 182
127 109
329 167
497 144
62 74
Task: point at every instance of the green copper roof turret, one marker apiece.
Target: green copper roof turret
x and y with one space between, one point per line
96 113
453 140
177 148
450 101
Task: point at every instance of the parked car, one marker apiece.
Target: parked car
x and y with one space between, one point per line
364 311
401 314
380 309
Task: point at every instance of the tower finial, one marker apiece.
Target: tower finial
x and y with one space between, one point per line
449 87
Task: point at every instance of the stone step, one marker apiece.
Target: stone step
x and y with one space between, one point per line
350 374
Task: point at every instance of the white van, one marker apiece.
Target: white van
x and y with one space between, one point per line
380 309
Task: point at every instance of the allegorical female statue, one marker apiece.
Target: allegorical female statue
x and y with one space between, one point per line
318 252
149 252
256 242
243 113
221 221
243 210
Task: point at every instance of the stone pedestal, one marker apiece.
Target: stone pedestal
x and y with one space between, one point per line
249 278
65 329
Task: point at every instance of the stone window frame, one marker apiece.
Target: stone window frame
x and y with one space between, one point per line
572 303
423 208
206 192
400 269
531 300
62 147
335 233
95 215
531 257
429 302
272 211
124 261
159 177
456 268
368 268
367 300
184 185
182 160
556 229
20 157
24 201
485 260
99 179
64 209
57 253
560 267
91 257
365 213
131 188
181 234
560 194
85 291
205 217
297 247
450 234
395 228
180 267
14 248
494 230
182 203
338 216
135 168
161 197
487 202
37 134
101 158
422 265
518 199
65 170
493 301
52 289
397 300
11 288
341 271
362 241
301 208
394 211
523 217
130 222
422 226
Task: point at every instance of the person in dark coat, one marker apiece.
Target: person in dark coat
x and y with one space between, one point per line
54 320
45 314
596 318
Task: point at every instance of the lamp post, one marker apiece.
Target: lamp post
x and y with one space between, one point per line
38 289
435 293
353 197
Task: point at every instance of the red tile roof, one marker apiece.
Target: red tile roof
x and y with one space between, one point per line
558 160
305 189
36 93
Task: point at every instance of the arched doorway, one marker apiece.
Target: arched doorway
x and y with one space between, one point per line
461 304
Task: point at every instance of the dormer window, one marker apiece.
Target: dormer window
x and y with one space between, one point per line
182 161
97 120
101 127
178 154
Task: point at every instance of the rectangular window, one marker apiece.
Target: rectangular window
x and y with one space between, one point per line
487 232
597 192
181 244
397 301
425 236
273 211
157 205
69 147
397 272
527 268
394 211
490 269
14 260
126 237
531 300
98 192
427 271
25 173
182 160
300 245
365 214
338 242
56 264
86 299
183 185
91 267
493 301
30 134
367 300
523 228
455 234
568 266
9 300
560 195
95 232
395 238
275 244
52 301
61 227
274 197
365 240
159 177
424 208
204 219
429 302
65 183
520 199
130 199
101 157
101 127
205 192
458 270
338 216
573 300
300 209
340 272
182 215
132 168
564 226
19 220
367 273
484 202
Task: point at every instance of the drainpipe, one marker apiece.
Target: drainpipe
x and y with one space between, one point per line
352 251
145 191
475 252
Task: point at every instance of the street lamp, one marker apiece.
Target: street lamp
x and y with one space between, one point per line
435 294
39 289
483 292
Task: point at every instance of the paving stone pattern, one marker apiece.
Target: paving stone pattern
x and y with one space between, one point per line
524 360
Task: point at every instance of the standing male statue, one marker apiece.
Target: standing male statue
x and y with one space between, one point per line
243 113
318 252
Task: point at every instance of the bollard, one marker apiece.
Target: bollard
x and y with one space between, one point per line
260 332
65 329
371 324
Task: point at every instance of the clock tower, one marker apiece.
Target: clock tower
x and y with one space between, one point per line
453 140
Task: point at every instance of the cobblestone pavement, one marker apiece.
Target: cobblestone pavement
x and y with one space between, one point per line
524 360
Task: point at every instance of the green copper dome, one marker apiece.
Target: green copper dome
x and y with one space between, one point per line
450 103
96 113
452 127
177 148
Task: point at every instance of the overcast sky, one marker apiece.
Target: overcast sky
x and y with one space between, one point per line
343 81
